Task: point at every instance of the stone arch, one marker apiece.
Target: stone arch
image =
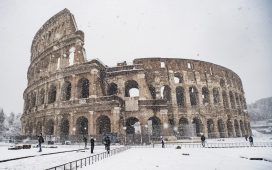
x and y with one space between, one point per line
82 125
131 88
112 89
237 128
38 128
130 122
52 94
216 96
232 102
156 126
83 88
49 127
198 126
66 90
41 96
180 95
64 128
230 128
205 96
222 83
242 128
193 96
103 125
166 93
225 99
152 91
221 128
178 78
183 126
210 126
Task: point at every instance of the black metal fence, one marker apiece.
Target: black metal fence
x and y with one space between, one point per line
74 165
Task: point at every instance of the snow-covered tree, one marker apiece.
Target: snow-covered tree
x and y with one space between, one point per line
2 121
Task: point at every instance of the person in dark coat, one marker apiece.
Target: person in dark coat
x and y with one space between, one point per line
203 140
107 143
40 141
246 137
250 140
85 141
92 144
162 142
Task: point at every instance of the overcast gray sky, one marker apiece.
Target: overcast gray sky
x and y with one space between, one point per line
233 33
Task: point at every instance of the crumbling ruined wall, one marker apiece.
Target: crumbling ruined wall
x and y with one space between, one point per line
68 95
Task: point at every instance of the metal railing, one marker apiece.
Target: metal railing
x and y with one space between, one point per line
88 160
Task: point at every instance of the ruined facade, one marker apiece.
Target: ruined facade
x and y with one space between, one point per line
68 95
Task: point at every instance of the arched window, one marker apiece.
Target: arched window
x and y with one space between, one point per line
112 89
210 126
33 99
180 97
41 97
221 128
232 102
130 122
83 88
64 129
103 125
66 90
52 94
49 127
166 93
205 96
178 78
193 96
82 126
131 88
225 100
183 127
237 100
156 126
216 97
198 126
152 91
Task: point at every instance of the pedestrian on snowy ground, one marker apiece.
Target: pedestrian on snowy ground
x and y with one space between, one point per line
162 142
246 137
85 141
250 140
92 144
107 143
203 140
40 141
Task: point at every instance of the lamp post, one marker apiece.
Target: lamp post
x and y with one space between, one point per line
125 128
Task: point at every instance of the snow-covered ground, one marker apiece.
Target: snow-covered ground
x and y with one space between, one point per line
177 159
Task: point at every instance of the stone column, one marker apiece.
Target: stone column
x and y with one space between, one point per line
115 119
91 126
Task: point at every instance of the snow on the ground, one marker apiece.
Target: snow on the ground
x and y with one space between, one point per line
44 161
198 158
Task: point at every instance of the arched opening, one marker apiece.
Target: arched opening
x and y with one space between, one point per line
178 78
198 126
49 127
180 97
183 127
166 93
103 125
193 96
225 100
242 127
64 129
66 90
237 100
112 89
237 128
232 102
83 88
210 126
152 91
52 94
33 99
156 126
130 122
38 128
216 98
205 96
131 89
221 128
82 126
230 128
41 97
222 83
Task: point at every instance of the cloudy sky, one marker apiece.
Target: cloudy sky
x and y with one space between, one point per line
236 34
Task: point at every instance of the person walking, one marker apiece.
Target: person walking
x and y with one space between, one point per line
162 142
250 140
92 144
246 137
107 144
85 141
203 140
40 141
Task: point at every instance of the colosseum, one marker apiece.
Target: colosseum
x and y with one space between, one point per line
69 96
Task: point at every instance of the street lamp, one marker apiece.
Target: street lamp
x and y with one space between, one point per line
125 128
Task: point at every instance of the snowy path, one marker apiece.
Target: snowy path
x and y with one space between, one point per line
199 158
46 161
